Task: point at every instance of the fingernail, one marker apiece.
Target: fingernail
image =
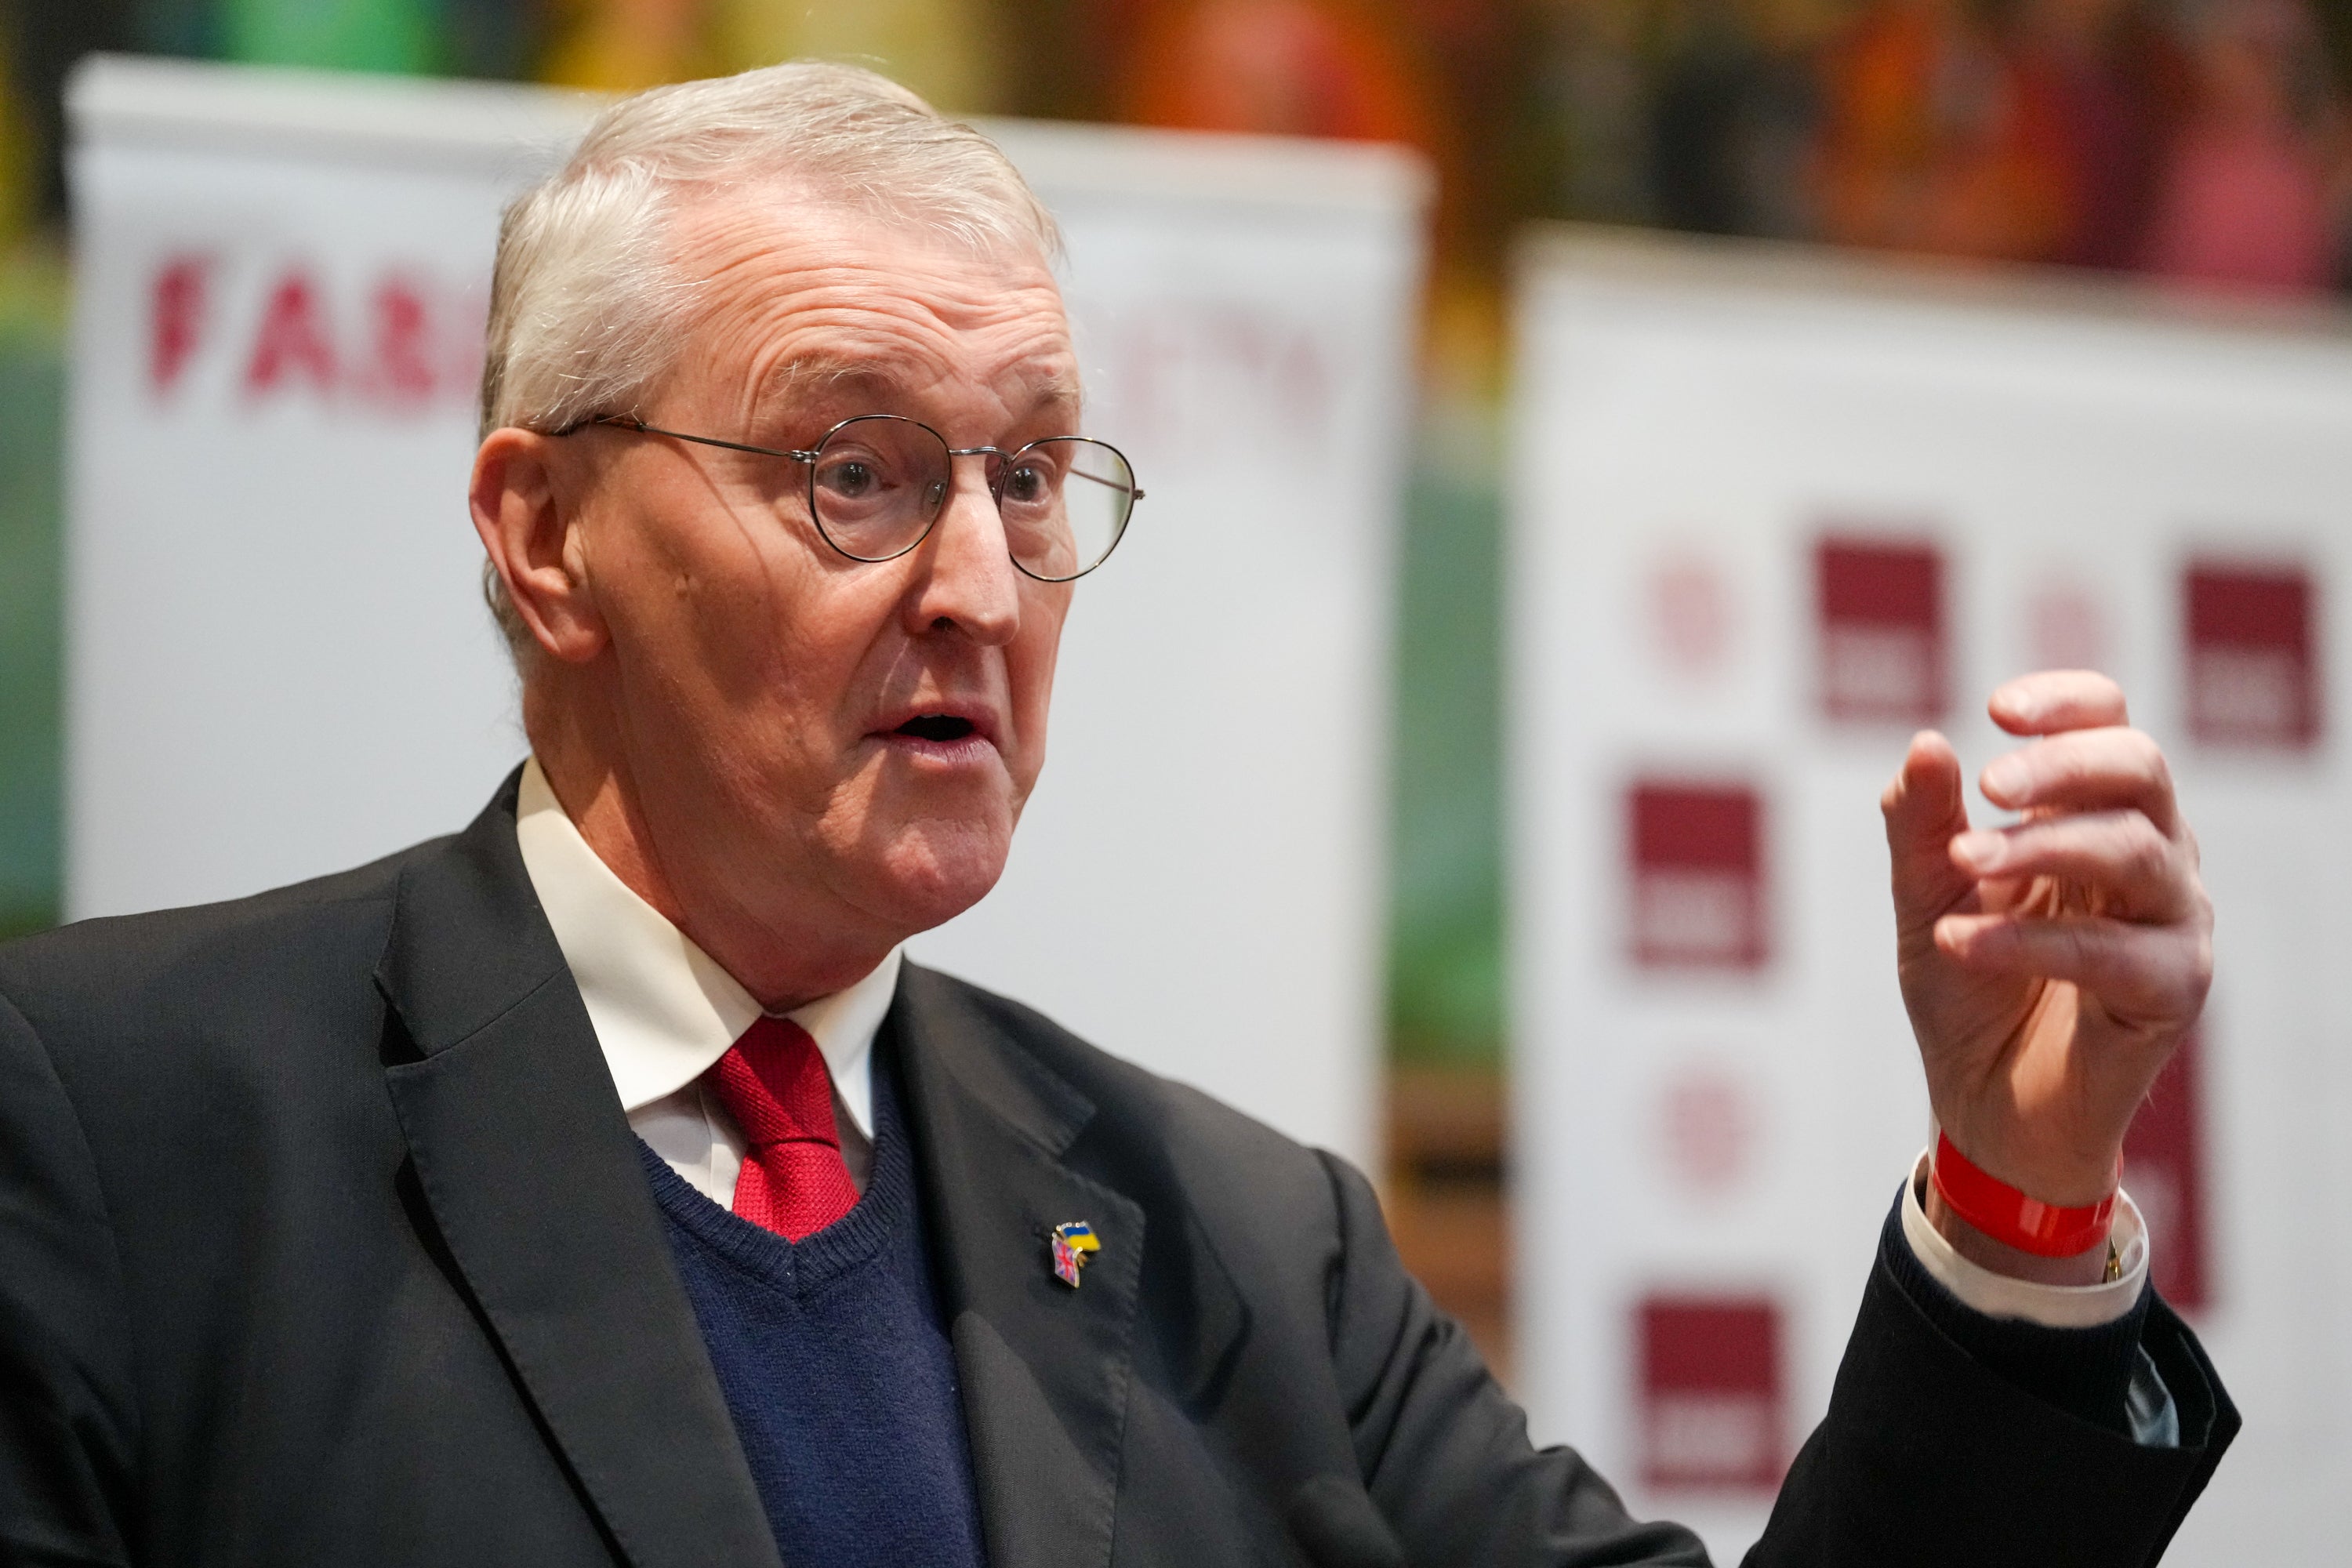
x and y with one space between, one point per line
1978 849
2007 776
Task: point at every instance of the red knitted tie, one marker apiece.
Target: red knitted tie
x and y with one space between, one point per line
774 1082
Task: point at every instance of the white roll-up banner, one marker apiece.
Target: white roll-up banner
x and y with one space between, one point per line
1770 515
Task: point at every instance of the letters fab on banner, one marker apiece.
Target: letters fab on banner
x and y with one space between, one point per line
282 666
1767 519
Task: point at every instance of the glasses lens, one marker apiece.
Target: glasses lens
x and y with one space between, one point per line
1065 502
876 484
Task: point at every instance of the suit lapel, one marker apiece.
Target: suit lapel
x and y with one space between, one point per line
529 1167
1045 1369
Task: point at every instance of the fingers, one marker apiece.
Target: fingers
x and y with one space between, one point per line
2054 700
2132 870
1925 805
2140 973
2086 770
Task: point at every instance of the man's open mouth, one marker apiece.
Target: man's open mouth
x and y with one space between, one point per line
935 727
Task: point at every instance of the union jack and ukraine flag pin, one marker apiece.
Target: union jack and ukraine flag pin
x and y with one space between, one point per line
1069 1245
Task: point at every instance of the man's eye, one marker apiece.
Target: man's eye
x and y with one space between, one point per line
850 481
1028 483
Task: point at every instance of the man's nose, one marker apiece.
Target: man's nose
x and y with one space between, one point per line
969 583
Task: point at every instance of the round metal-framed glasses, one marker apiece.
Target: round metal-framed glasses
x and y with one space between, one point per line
878 482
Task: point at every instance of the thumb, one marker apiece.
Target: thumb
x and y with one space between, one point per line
1925 807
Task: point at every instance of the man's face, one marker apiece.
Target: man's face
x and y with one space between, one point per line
813 741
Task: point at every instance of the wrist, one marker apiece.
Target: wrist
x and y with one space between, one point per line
2064 1171
2004 1216
2088 1266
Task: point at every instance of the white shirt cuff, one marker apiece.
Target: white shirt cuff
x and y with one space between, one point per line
1998 1295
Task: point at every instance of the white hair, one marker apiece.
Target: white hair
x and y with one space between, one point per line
587 304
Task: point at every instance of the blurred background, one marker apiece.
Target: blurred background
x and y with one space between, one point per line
2202 144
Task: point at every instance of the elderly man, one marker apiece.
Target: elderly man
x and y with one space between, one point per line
599 1185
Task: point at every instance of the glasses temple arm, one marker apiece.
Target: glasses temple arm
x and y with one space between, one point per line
631 423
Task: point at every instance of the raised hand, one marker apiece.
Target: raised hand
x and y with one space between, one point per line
2050 967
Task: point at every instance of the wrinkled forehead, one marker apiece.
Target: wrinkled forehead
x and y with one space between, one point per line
809 302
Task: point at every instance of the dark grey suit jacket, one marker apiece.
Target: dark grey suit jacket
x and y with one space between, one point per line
323 1238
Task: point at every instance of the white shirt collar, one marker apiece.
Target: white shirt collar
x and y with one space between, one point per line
662 1008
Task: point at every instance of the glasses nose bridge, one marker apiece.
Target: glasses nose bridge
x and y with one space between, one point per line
992 459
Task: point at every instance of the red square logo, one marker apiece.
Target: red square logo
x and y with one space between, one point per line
1712 1409
1883 643
2253 671
1697 872
2163 1167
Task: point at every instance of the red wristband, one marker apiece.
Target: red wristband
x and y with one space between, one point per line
2012 1218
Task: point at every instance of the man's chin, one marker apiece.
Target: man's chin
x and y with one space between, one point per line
929 879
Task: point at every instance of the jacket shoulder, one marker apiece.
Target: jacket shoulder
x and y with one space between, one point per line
147 966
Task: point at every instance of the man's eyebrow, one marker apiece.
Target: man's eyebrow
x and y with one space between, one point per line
827 373
830 375
1058 392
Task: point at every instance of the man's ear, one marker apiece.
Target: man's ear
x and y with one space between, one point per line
525 518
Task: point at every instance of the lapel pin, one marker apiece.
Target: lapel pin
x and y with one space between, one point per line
1070 1244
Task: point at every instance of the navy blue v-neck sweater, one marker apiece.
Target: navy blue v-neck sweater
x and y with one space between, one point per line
837 1365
